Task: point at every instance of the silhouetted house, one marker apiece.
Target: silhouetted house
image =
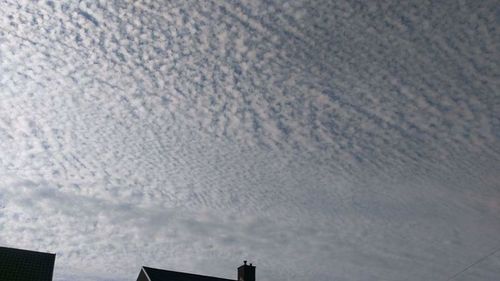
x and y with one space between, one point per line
245 273
24 265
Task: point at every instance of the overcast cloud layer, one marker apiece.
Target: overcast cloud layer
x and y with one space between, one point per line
321 140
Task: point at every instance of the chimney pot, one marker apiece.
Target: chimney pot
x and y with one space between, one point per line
246 272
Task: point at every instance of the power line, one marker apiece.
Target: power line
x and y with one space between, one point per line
473 264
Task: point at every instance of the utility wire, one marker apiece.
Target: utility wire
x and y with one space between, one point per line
473 264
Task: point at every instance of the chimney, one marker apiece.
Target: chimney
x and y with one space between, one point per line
246 272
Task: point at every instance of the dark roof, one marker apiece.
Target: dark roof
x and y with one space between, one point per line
166 275
24 265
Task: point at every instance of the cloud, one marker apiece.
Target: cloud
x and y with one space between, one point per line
320 140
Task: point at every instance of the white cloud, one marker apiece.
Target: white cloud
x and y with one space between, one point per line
321 141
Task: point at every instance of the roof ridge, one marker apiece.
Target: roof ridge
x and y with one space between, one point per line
19 249
185 273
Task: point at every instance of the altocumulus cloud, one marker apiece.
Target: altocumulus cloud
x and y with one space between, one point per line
322 140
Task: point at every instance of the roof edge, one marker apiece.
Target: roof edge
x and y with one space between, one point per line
187 273
21 249
145 272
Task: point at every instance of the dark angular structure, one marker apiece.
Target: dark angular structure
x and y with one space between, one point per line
245 273
24 265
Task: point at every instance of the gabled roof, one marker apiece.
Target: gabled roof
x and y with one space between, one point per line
153 274
24 265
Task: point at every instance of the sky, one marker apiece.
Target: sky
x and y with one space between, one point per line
319 140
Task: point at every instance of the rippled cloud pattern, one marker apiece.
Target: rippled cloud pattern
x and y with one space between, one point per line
322 140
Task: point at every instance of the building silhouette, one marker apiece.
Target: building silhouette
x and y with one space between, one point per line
24 265
245 273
